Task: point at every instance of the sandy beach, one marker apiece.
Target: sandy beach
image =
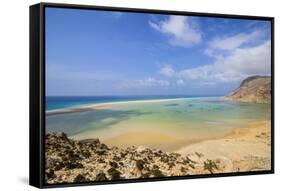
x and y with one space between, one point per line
158 135
90 107
245 149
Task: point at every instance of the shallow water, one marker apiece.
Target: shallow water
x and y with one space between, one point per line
184 119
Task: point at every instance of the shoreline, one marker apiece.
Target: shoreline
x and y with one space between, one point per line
154 139
98 106
245 149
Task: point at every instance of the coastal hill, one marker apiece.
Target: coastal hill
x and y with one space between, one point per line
256 89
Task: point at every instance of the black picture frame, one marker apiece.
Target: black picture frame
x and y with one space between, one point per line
37 92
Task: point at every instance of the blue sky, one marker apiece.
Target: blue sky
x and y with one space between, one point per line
112 53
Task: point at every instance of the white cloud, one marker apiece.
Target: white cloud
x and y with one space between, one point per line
235 58
233 66
167 71
235 41
251 61
150 82
180 29
180 82
201 72
236 66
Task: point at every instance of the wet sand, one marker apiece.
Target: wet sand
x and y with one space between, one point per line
153 135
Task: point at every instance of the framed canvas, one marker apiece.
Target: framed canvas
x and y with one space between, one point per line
123 95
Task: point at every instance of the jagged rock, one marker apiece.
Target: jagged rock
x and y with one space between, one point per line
183 169
100 152
171 164
100 160
113 164
140 164
123 154
145 175
156 173
104 147
72 165
86 154
100 177
164 159
66 159
189 160
72 155
58 166
115 174
90 141
155 167
80 178
116 158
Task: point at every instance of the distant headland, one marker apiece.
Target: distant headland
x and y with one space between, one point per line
255 89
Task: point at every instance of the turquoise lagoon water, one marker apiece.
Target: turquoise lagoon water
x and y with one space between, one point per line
187 119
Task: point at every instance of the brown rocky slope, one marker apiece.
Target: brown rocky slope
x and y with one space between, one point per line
87 160
256 89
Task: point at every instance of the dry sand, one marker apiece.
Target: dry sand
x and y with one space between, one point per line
245 149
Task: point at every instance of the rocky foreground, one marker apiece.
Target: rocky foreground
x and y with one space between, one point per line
255 89
70 160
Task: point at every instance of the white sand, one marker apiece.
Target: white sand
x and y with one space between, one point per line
89 107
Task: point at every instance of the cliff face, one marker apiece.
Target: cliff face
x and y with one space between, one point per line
256 89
